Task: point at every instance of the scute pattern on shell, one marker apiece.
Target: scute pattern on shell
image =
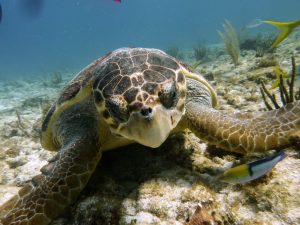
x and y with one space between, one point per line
81 80
127 69
72 89
121 72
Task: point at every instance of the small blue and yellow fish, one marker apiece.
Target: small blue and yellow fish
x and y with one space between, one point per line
285 28
251 171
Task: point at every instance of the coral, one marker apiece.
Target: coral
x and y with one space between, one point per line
34 101
209 76
55 80
286 96
21 125
231 42
297 96
261 43
267 61
200 52
194 66
175 52
248 44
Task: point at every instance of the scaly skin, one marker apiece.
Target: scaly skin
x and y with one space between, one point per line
61 181
245 133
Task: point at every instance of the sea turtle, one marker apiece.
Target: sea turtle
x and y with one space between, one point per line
134 95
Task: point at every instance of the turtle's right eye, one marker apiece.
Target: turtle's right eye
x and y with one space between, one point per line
117 108
168 95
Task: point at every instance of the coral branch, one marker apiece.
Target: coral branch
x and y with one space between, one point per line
20 124
231 42
271 97
291 86
269 107
286 96
283 92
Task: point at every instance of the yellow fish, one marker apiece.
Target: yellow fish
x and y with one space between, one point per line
251 171
278 71
285 28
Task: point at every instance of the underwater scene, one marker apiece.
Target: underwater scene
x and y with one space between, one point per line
149 112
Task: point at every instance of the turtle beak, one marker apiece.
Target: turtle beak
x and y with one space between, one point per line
150 126
146 113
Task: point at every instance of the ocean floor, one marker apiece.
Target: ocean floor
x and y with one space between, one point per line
139 185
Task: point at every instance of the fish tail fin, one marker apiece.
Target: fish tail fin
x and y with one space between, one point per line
285 28
281 154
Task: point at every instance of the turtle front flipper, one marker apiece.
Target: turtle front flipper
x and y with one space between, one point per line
49 193
246 133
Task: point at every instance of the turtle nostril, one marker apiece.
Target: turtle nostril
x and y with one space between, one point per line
146 111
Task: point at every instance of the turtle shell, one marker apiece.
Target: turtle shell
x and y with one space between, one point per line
123 72
75 91
126 70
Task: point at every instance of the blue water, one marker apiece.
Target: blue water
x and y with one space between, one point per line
69 34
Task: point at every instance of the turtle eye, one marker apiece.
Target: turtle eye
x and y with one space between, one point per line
117 108
168 95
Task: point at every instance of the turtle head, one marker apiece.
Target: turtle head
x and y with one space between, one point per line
147 122
143 106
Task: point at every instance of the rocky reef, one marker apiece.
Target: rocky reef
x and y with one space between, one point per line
139 185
